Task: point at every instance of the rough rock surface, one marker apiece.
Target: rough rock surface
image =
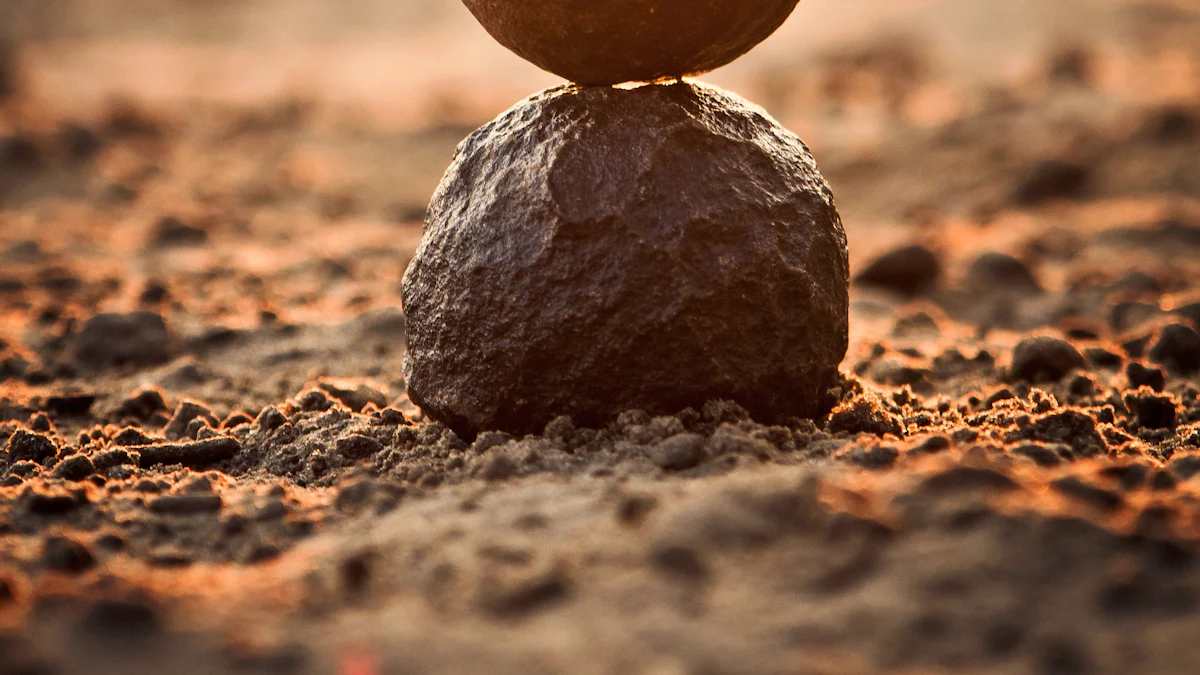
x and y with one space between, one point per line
614 41
594 250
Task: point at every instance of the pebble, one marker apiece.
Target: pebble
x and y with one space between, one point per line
1178 348
1045 358
112 340
910 270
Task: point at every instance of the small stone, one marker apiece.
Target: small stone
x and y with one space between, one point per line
499 467
614 41
968 479
79 142
185 413
187 505
682 563
75 468
488 440
1052 179
71 405
114 457
269 419
1142 376
1045 359
1153 411
1172 124
122 621
194 454
170 231
34 447
1042 455
131 436
561 428
236 419
64 554
40 422
864 416
644 231
998 272
357 398
19 152
393 417
679 452
142 404
1185 466
910 270
113 340
1084 493
1177 348
1103 358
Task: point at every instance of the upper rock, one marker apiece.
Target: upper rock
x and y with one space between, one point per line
613 41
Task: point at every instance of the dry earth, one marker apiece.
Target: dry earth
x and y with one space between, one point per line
208 464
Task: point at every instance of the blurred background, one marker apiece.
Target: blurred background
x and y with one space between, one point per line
238 161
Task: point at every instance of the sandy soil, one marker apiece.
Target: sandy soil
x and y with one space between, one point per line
208 463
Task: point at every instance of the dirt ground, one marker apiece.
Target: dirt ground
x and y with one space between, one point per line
208 463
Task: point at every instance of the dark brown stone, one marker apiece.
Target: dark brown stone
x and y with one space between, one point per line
596 250
1044 358
614 41
108 340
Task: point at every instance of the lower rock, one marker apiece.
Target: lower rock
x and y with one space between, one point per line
597 249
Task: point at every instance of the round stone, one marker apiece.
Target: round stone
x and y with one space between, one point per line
595 250
615 41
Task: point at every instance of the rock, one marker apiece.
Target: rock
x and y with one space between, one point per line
79 142
615 41
71 405
33 447
170 231
910 270
67 555
1177 348
194 454
679 452
1141 376
1045 359
108 340
1153 411
187 505
268 420
19 152
75 468
1172 124
185 413
998 272
142 404
590 247
864 415
1050 180
357 398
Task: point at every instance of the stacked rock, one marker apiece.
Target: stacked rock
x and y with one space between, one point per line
597 249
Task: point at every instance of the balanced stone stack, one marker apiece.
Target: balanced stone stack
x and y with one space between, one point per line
597 248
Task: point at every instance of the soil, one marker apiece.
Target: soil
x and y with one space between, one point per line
209 463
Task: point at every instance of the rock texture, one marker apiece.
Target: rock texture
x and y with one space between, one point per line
594 250
614 41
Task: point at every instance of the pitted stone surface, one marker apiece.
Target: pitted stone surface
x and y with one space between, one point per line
594 250
614 41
